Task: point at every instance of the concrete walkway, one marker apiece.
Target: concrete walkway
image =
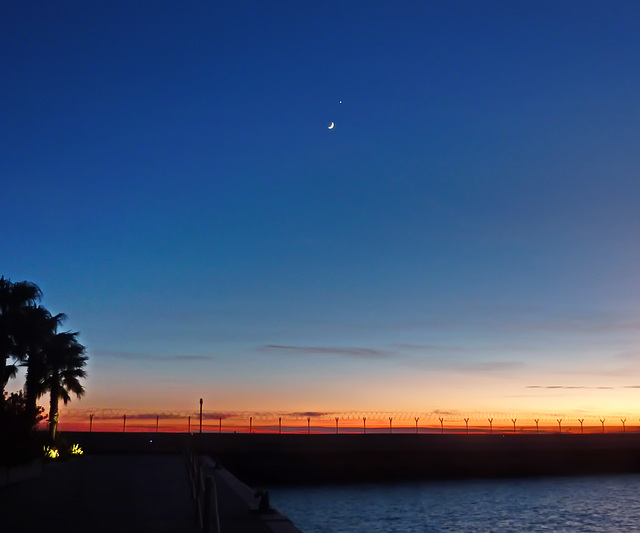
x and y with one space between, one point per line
103 493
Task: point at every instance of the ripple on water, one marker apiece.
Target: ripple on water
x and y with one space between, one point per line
586 504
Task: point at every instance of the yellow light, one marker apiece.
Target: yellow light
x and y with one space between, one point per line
51 453
76 450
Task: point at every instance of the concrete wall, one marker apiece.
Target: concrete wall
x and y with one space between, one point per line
272 459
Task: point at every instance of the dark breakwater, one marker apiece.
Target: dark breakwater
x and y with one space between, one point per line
310 459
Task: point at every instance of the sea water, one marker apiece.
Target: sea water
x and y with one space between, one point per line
575 504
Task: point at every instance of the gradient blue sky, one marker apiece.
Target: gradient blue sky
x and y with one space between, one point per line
464 238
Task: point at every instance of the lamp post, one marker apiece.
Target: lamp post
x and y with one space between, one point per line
200 415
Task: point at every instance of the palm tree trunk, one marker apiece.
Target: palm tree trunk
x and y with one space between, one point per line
53 410
3 380
31 394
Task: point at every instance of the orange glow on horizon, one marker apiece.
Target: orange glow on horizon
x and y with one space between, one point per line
326 424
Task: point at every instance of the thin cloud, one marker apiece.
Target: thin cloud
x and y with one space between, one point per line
133 356
427 347
362 353
492 366
568 387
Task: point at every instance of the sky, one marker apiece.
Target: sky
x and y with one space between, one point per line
463 241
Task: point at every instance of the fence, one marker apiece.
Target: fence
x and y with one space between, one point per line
203 491
366 423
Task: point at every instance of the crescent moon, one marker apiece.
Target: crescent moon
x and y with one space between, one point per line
332 126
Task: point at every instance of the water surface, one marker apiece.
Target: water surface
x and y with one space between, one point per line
585 504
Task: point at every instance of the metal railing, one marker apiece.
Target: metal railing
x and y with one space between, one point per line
203 491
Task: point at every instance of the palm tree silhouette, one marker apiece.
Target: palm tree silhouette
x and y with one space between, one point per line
64 362
33 335
14 299
10 372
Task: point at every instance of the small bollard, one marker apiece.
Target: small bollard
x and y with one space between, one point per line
264 506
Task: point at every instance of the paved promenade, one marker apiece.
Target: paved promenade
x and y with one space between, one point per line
103 493
129 493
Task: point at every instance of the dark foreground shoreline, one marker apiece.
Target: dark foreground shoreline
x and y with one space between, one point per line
271 459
